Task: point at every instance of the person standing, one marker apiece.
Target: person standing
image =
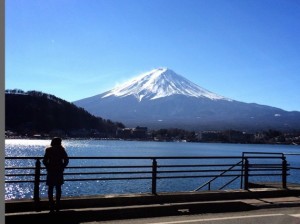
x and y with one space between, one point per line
55 160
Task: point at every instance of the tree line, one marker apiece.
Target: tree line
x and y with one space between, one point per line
37 112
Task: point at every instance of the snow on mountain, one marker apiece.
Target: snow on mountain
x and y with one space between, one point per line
158 83
163 99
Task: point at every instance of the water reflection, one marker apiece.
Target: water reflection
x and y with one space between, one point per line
20 147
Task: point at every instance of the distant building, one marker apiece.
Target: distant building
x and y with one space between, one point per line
259 137
137 133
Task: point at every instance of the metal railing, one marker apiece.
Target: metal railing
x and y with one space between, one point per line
157 168
293 154
258 169
208 183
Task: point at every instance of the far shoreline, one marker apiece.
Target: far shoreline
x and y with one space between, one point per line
148 140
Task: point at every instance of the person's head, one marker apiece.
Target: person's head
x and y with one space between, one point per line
56 141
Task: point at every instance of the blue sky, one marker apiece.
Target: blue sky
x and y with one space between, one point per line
245 50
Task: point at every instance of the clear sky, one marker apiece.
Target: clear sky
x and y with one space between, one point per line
246 50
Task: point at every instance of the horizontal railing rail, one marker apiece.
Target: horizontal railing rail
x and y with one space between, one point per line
154 169
293 154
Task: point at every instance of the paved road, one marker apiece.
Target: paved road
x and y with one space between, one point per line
278 210
261 216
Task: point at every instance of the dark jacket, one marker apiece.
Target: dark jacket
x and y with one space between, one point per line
55 161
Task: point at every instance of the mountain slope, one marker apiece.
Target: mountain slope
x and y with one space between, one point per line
162 99
41 113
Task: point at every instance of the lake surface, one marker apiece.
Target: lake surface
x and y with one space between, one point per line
110 148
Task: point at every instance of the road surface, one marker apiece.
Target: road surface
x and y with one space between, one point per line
261 216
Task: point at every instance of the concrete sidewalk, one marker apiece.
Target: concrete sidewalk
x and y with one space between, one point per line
110 207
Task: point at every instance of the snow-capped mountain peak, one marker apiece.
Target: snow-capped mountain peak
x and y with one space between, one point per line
163 99
158 83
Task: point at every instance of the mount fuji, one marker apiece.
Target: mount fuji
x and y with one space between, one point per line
161 98
159 83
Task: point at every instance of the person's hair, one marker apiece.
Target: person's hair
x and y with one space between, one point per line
56 141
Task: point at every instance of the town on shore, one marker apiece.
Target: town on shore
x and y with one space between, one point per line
169 135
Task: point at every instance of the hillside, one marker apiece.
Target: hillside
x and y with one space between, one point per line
36 112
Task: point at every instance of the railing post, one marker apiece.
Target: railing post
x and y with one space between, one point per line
36 196
154 175
246 174
242 172
284 172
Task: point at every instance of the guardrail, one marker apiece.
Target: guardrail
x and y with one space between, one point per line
157 168
256 168
293 154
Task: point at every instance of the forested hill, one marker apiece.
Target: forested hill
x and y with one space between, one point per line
35 112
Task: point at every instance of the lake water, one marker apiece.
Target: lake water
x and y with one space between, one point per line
110 148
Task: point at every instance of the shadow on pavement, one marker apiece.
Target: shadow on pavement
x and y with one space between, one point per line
79 216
